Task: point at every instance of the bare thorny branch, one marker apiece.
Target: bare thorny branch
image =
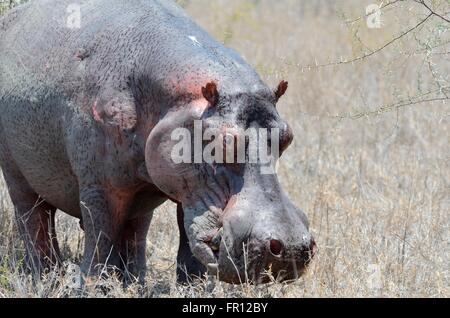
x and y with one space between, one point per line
379 49
382 7
432 12
395 106
373 52
444 91
426 97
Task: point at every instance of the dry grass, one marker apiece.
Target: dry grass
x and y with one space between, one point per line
376 189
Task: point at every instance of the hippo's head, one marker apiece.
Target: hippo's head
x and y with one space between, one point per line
238 219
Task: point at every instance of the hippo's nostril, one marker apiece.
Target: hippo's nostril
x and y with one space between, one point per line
275 247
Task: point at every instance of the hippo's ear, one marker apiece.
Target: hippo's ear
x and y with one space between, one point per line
211 94
281 90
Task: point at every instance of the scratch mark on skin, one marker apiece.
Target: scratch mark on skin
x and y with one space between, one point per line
230 205
119 136
194 40
96 114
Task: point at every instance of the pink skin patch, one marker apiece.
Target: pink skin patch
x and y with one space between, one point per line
230 206
121 199
199 106
192 84
208 236
96 114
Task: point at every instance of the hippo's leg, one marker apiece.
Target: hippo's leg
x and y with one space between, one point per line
133 245
188 267
101 232
35 219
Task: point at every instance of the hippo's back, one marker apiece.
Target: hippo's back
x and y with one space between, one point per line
43 42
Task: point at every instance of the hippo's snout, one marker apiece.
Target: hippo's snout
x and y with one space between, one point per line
288 262
269 250
266 268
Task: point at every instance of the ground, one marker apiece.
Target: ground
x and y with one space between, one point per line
373 181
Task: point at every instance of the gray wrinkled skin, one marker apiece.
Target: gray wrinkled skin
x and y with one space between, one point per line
85 124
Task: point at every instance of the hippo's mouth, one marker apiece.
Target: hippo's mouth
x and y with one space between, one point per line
213 242
233 267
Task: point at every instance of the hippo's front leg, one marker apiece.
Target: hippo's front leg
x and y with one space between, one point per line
99 154
188 267
100 232
133 246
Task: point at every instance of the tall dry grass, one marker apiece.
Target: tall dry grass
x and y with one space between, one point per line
375 186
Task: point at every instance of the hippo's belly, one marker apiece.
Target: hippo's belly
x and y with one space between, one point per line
59 190
50 178
37 147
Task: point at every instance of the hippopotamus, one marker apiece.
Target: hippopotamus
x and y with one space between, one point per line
90 93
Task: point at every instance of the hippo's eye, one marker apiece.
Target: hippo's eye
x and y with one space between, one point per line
286 138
